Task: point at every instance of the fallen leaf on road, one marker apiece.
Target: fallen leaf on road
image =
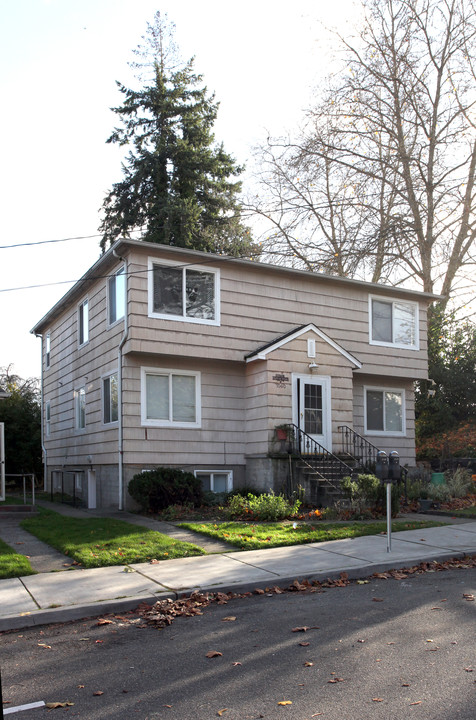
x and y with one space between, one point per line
44 645
405 684
220 712
363 582
235 664
308 663
377 699
304 628
377 599
231 618
54 705
259 591
285 702
469 669
304 644
104 621
213 653
98 692
336 680
417 702
468 596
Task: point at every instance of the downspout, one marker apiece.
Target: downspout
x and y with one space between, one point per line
119 390
42 425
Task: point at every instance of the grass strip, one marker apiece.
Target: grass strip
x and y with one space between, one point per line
100 542
464 512
251 536
12 564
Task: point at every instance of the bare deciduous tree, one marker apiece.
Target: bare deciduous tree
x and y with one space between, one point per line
380 183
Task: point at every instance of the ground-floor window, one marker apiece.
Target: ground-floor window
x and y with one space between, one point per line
384 411
217 481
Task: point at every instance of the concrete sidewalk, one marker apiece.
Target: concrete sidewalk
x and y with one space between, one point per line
61 596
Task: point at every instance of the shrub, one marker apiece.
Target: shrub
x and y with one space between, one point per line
155 490
460 442
266 506
362 492
459 482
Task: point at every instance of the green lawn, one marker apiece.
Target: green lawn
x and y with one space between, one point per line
465 512
99 542
13 564
250 536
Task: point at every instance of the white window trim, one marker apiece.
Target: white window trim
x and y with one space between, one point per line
386 433
106 376
183 318
110 324
150 422
229 473
81 312
76 395
392 300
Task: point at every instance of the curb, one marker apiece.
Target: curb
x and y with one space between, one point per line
91 610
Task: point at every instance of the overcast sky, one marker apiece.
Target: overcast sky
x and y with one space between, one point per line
59 60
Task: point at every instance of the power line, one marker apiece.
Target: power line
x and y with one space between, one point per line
45 242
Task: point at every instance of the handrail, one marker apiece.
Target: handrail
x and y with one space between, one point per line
352 442
307 448
358 447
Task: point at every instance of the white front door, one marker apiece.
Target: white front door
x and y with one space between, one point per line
312 408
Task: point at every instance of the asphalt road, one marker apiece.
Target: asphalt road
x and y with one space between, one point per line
386 649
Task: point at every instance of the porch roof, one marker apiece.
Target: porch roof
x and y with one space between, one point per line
262 352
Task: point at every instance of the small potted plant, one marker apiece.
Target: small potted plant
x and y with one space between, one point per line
424 501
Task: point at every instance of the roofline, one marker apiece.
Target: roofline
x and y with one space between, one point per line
122 245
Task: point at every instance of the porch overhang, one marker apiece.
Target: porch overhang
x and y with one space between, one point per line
262 352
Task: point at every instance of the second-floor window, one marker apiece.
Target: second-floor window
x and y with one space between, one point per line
184 293
116 296
48 350
393 322
110 399
83 322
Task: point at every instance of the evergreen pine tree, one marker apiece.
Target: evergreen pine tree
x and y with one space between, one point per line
179 187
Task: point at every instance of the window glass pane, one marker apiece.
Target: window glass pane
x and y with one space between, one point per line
107 400
206 481
382 321
168 284
393 412
117 296
183 394
404 323
157 390
113 398
81 408
200 294
313 409
220 482
83 323
375 410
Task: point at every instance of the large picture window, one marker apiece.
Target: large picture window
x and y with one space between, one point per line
384 411
393 322
184 293
170 398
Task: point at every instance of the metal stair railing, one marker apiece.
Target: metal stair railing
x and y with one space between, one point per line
314 454
363 452
358 448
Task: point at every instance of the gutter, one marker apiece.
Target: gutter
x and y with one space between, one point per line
120 459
